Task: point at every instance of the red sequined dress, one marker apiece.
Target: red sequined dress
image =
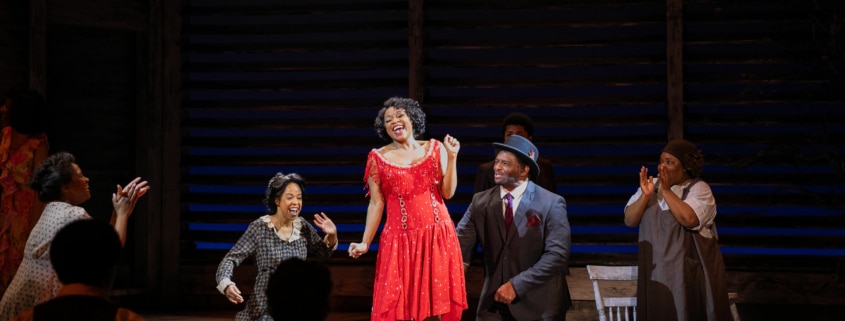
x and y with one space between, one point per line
419 269
16 201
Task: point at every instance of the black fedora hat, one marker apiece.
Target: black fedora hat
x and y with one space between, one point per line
522 148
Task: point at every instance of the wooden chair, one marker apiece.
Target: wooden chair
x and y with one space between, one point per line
733 297
619 307
612 308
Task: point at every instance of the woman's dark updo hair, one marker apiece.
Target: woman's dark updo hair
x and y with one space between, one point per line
411 107
277 186
51 175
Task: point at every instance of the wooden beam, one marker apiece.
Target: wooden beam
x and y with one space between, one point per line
674 69
38 45
149 115
415 50
171 145
160 155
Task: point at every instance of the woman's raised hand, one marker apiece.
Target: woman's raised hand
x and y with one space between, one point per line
325 223
125 198
646 182
452 144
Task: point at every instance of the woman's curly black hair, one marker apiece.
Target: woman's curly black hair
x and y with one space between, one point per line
277 185
53 173
411 107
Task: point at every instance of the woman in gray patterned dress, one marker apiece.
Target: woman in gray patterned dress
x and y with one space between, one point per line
273 238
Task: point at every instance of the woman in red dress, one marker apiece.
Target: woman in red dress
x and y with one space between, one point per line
419 270
23 145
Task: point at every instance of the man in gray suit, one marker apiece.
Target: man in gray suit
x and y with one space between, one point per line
524 236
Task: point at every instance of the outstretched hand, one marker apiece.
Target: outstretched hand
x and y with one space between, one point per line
325 223
357 249
234 294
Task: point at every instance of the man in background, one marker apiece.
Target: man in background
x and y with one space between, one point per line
522 125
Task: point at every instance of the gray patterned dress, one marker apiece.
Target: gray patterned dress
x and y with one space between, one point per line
269 249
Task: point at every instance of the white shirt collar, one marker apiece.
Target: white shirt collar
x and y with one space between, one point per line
295 235
516 192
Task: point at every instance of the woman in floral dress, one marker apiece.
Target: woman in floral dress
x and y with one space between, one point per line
419 269
22 147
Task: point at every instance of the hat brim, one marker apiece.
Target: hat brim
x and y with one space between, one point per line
532 164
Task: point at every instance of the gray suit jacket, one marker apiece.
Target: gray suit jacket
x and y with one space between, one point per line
534 255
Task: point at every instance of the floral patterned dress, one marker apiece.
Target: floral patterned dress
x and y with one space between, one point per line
419 270
16 202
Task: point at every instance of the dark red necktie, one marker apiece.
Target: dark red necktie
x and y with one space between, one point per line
508 212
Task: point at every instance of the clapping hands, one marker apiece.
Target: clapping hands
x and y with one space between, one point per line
125 199
646 182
